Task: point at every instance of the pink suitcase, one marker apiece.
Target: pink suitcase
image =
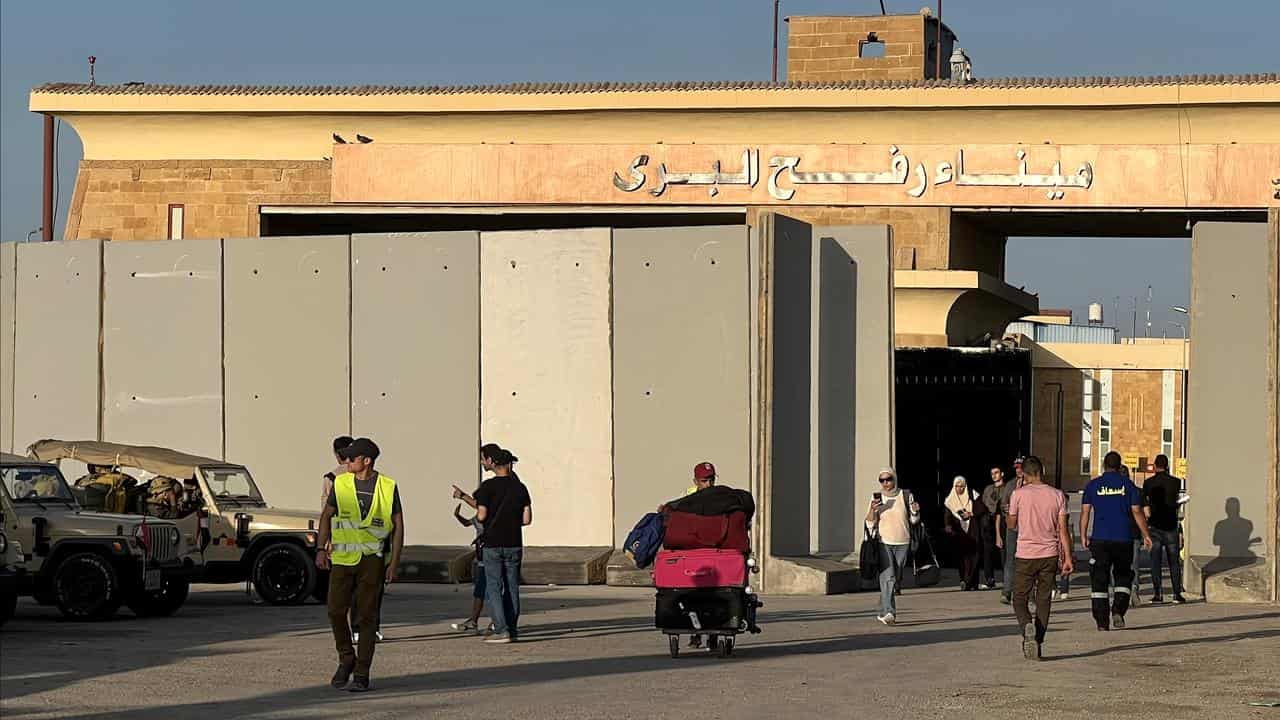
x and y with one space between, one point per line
703 568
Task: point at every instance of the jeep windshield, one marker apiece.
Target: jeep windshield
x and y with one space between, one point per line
232 487
36 484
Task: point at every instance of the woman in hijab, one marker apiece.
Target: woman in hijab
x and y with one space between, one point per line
963 524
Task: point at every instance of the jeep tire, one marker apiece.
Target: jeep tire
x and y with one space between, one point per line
283 574
86 587
163 602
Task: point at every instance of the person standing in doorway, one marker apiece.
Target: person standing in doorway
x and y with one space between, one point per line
1161 492
1006 535
989 548
963 518
504 506
1039 513
1110 500
891 514
363 512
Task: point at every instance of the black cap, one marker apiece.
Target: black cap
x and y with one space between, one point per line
362 447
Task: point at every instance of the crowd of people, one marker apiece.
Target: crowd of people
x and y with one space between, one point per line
361 538
1029 522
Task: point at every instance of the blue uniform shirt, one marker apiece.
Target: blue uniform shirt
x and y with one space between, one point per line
1112 497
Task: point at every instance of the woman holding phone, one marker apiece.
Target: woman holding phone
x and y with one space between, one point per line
891 514
963 525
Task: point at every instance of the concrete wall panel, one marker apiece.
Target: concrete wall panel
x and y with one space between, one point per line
680 363
287 380
8 303
162 345
546 375
415 368
1228 440
854 391
792 304
56 369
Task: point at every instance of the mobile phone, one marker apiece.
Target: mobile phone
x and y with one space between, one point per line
877 496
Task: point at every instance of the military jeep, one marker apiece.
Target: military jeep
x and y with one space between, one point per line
87 563
222 513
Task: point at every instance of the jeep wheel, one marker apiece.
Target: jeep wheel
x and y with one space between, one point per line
163 602
283 574
86 587
8 604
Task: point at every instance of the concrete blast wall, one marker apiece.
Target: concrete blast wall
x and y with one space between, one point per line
610 361
1231 436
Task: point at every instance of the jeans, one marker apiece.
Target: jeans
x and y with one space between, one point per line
1108 556
502 581
1010 549
1165 544
1034 576
358 586
893 558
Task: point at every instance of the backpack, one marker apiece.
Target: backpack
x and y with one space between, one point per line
644 541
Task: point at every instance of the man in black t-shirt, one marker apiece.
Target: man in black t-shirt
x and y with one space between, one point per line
1161 493
503 505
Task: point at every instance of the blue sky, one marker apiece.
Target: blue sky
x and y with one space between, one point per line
494 41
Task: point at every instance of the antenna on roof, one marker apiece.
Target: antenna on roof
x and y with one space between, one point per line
92 59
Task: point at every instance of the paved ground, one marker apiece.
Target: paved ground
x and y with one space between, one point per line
591 653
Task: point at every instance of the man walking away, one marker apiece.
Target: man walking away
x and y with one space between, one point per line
1111 500
1161 492
1005 535
990 548
1038 513
891 514
503 505
362 512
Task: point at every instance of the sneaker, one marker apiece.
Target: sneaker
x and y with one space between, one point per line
1030 648
984 586
360 684
1179 600
498 639
342 676
1103 628
355 638
887 619
1064 595
465 626
1117 621
1006 600
1157 600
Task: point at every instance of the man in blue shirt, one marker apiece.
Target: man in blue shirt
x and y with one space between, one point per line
1113 501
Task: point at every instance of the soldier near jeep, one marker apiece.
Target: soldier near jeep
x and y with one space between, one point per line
362 513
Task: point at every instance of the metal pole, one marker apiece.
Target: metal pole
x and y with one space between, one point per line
775 39
46 215
937 70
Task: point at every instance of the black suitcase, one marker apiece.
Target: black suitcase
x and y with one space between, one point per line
716 609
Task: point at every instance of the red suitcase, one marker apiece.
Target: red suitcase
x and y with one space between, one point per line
687 531
706 568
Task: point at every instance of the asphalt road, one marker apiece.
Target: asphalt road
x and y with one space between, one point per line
592 653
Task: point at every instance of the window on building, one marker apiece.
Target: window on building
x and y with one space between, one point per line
176 216
872 47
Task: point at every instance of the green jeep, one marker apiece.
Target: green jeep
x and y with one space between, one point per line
87 563
221 511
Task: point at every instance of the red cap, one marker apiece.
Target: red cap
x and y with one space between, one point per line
704 471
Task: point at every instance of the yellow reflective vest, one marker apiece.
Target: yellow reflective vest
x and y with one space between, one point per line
354 536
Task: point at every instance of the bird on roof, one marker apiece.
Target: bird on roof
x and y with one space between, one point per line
364 139
338 139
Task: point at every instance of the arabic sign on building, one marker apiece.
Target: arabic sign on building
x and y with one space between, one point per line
1128 176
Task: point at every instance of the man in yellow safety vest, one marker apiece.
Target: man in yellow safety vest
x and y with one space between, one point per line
361 515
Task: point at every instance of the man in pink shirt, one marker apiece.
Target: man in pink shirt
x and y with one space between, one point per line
1039 515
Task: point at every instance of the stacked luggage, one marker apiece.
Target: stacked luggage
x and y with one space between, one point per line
702 572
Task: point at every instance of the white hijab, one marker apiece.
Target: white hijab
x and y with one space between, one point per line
960 498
